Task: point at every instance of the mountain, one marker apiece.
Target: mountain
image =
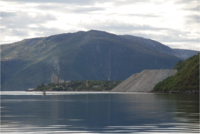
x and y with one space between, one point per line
91 55
186 79
157 46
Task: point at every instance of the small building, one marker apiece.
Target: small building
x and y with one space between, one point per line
31 89
61 81
96 86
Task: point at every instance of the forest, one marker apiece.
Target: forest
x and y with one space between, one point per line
187 77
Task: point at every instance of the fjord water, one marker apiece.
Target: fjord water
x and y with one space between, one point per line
98 112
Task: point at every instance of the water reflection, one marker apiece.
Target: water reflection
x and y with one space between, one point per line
186 109
100 113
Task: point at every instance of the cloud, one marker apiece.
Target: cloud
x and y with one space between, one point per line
173 21
168 36
43 31
173 40
69 9
7 14
144 15
193 18
87 9
193 8
79 2
10 36
117 26
186 2
159 33
16 26
51 7
75 1
22 20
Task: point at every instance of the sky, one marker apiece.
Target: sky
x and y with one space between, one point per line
174 23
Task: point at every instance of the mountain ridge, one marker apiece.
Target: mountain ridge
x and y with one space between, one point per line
91 55
155 45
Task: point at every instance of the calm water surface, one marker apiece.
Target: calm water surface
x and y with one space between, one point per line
98 112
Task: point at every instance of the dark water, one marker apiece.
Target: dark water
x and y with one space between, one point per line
57 112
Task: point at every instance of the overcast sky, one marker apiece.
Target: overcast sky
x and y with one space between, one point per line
172 22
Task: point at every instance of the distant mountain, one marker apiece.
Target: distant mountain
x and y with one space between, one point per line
157 46
184 54
186 79
92 55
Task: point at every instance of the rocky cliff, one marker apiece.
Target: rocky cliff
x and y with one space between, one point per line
143 81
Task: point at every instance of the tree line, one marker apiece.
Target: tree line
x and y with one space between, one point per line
88 85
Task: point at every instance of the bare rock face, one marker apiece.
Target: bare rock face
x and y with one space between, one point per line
143 81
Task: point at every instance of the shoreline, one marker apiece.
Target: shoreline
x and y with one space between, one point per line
162 92
177 92
68 91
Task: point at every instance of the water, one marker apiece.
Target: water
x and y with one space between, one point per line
98 112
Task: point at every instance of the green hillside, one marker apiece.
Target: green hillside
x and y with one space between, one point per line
187 77
92 55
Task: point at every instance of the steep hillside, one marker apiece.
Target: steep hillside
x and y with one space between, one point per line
143 81
187 77
92 55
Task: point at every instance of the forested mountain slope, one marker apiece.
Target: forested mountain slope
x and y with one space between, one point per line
187 77
91 55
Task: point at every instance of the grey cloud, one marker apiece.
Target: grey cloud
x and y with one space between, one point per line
78 9
144 15
43 31
114 25
193 19
19 32
13 33
7 14
42 18
137 15
83 2
50 7
119 2
171 37
18 24
195 8
137 30
187 1
86 10
171 40
21 20
175 36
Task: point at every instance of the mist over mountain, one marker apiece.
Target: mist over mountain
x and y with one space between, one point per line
91 55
